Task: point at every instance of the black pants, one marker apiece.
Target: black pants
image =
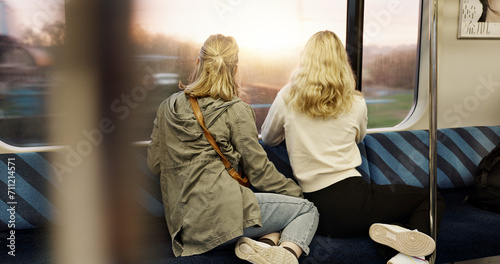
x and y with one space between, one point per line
348 208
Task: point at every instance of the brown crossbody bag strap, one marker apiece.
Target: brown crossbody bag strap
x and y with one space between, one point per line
199 116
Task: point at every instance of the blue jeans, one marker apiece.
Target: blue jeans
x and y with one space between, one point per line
296 219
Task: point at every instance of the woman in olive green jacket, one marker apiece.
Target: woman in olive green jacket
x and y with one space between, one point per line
204 206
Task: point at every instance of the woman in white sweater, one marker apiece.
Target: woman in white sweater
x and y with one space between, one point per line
323 118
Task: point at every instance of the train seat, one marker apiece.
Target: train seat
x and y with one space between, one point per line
388 157
466 232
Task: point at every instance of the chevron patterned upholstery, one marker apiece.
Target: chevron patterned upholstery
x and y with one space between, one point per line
402 157
30 188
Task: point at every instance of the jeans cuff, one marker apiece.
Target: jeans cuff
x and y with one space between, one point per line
302 245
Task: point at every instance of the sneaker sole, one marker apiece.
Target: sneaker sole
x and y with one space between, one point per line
409 242
250 257
257 254
402 258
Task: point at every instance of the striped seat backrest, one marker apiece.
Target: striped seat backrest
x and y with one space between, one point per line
402 157
388 157
27 186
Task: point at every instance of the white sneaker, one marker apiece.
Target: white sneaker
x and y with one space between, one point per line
408 242
405 259
262 253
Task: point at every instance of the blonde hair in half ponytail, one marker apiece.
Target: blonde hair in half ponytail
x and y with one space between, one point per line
214 75
324 84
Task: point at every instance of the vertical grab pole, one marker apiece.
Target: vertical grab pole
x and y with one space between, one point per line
433 11
354 37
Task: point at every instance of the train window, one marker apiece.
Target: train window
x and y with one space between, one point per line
29 35
167 35
390 52
270 34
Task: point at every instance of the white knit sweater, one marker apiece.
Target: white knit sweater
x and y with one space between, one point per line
321 151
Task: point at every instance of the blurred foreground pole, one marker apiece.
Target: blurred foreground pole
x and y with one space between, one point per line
97 198
433 60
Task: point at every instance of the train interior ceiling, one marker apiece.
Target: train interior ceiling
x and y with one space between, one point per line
86 77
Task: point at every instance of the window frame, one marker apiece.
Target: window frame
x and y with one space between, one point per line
354 47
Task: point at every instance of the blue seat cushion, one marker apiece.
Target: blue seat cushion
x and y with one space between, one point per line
32 185
402 157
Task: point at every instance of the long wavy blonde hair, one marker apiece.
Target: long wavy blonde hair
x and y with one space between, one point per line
215 71
324 83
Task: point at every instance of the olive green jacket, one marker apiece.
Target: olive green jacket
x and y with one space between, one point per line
204 206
